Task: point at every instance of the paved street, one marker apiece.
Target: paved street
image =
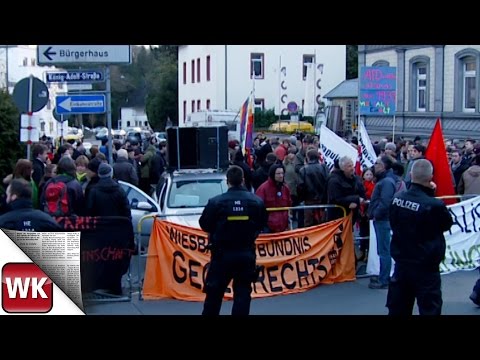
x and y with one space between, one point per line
351 298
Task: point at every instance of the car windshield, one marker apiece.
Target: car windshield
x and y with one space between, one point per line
195 193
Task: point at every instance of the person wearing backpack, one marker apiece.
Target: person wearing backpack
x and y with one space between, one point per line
63 194
21 215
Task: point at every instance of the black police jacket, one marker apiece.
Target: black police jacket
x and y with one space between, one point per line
234 219
418 221
23 217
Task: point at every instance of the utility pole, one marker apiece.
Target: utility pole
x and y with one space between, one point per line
6 68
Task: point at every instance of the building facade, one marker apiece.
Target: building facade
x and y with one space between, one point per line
433 81
221 77
20 61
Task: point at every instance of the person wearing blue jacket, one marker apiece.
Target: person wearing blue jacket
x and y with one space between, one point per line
378 210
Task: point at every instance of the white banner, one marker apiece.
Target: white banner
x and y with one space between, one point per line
368 153
334 147
463 240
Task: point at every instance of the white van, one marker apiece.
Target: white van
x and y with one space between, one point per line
230 118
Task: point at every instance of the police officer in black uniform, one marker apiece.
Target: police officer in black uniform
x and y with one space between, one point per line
418 221
233 221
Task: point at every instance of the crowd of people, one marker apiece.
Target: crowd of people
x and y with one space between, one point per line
90 181
282 172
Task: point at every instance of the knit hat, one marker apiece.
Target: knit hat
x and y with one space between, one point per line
122 153
105 171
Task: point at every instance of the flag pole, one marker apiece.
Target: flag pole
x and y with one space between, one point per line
315 105
393 132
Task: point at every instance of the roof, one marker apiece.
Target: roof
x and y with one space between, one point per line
197 174
346 89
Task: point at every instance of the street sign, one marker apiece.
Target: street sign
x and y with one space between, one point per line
80 104
29 128
58 117
94 54
77 76
79 87
39 94
292 106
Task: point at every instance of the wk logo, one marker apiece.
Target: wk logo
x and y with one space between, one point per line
26 289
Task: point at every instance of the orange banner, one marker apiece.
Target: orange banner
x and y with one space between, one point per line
292 261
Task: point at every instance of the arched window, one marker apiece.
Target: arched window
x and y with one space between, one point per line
381 63
467 64
419 84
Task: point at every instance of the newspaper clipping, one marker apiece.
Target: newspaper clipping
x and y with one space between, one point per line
57 254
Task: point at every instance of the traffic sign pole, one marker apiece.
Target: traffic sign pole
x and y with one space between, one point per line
29 113
109 114
61 131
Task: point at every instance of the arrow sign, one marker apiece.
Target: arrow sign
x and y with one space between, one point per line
48 53
81 104
74 54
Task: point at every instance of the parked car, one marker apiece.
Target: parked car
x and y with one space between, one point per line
102 134
161 136
288 126
180 197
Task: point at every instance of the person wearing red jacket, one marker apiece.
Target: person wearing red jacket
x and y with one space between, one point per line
364 222
275 193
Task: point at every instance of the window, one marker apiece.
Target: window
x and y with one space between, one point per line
467 63
208 104
184 111
418 98
421 88
257 63
193 71
33 62
381 63
25 61
193 106
259 104
49 105
199 105
469 84
42 126
307 59
128 123
208 68
184 72
198 70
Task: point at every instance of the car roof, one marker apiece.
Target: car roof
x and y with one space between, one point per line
197 174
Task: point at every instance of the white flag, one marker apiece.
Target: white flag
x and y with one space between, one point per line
368 153
334 147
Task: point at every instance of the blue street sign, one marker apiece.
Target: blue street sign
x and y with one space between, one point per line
76 76
81 104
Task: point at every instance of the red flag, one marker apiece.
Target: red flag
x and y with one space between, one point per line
437 155
358 164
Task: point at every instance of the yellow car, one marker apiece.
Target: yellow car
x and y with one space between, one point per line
289 126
